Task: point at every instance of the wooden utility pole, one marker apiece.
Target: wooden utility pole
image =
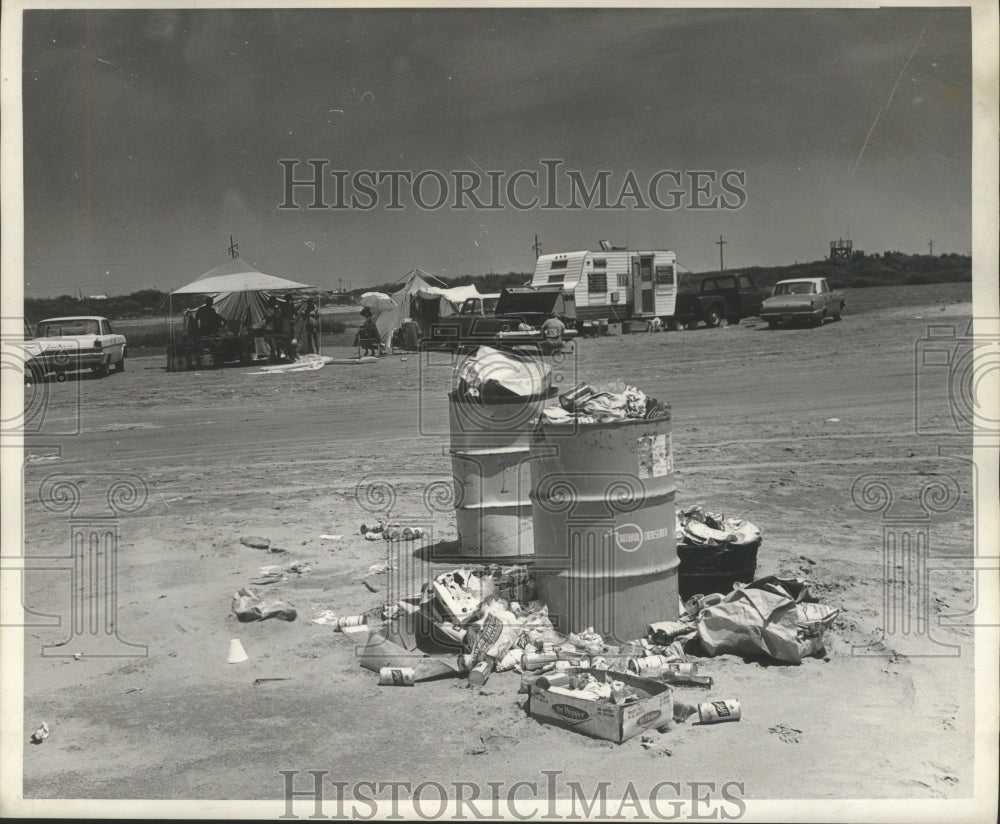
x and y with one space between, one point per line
233 248
930 245
720 243
537 247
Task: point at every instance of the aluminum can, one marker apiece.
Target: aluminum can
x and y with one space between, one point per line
480 673
395 677
351 621
714 712
537 660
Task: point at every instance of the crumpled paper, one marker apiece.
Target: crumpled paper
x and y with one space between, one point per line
696 527
490 373
248 607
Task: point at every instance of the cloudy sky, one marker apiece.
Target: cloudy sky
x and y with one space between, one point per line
152 136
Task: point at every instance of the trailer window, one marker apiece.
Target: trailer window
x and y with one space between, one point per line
600 263
597 282
556 278
623 278
665 274
558 264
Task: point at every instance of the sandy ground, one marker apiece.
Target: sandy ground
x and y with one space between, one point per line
772 426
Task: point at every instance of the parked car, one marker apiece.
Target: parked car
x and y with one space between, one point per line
802 300
76 343
518 309
709 299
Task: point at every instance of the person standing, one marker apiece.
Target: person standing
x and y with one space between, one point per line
311 318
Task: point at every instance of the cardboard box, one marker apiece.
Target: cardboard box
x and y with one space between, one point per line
600 719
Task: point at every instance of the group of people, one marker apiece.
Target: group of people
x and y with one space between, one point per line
278 326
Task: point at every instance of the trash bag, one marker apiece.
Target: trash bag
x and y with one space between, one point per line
753 621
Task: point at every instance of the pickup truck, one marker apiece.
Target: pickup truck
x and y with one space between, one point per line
76 343
516 308
809 300
482 305
710 298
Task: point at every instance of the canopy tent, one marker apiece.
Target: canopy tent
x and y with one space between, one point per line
418 300
240 293
237 276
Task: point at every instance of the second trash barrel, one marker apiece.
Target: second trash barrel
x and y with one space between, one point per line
490 454
604 527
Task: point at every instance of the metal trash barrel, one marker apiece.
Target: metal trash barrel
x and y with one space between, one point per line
490 453
604 530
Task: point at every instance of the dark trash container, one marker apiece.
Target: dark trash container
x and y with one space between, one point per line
708 569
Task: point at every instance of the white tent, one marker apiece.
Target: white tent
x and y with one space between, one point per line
240 292
420 301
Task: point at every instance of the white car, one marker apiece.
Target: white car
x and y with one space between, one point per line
809 300
76 343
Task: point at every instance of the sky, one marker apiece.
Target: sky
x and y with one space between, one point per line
152 136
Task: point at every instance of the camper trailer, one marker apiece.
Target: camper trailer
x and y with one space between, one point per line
613 284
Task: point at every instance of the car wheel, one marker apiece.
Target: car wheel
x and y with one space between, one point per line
838 313
101 370
713 318
120 366
772 324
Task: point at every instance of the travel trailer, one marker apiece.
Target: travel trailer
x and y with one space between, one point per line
614 284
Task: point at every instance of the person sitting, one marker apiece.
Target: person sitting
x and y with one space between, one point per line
552 334
368 337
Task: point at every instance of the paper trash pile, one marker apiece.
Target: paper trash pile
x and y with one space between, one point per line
491 615
696 527
601 403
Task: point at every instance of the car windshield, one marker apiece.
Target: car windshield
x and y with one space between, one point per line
796 287
60 328
688 285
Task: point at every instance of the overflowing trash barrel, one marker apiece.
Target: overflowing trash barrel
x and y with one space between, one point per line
490 454
604 525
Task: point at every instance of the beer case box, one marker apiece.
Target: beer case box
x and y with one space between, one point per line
600 719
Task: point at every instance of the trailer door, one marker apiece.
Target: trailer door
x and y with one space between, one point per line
642 279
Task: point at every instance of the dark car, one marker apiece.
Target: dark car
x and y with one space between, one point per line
518 309
710 298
